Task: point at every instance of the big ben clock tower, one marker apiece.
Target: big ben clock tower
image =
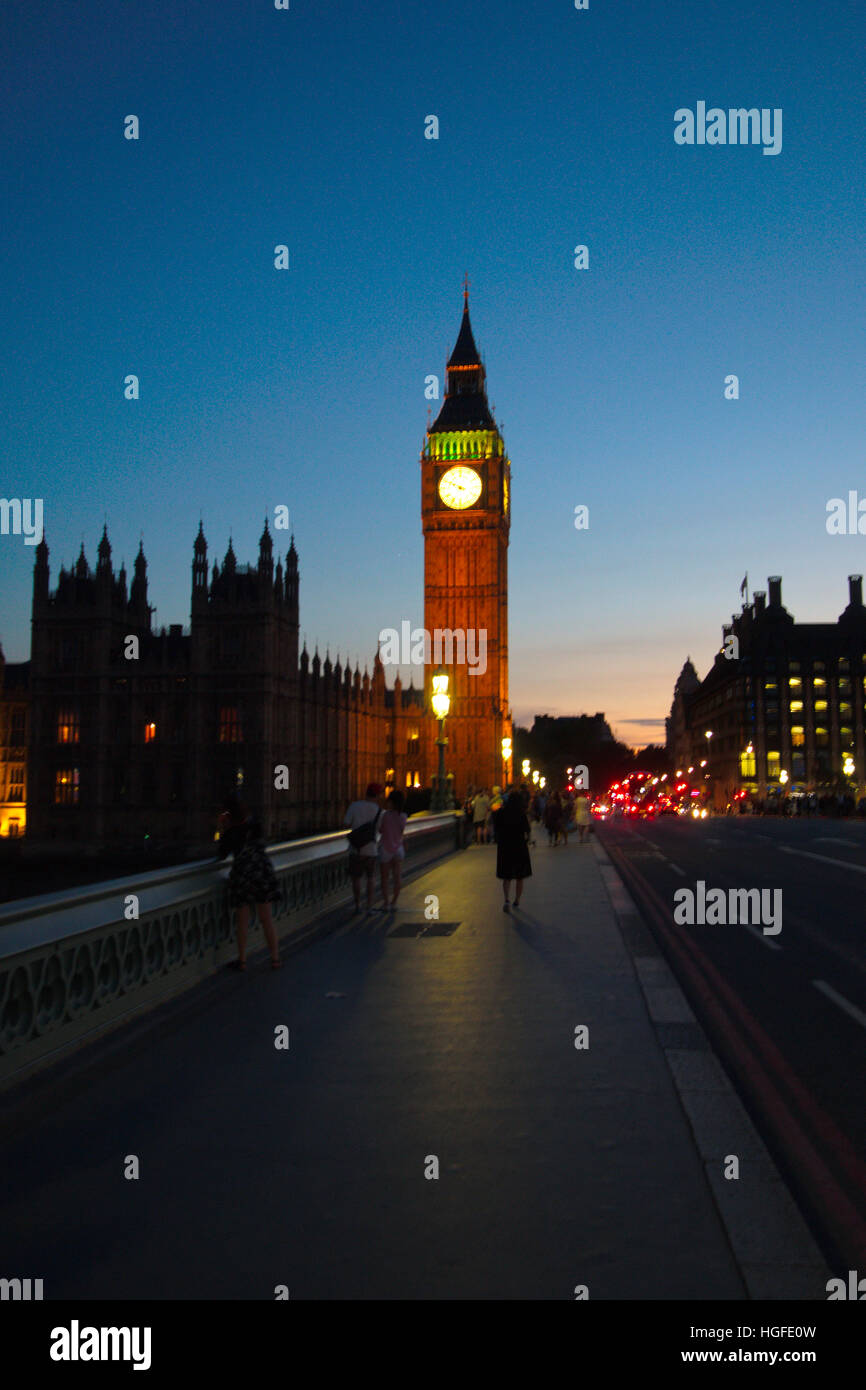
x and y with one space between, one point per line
465 509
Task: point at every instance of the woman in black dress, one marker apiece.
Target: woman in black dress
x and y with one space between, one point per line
252 878
512 851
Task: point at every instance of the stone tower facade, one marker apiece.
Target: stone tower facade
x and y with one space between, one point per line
466 514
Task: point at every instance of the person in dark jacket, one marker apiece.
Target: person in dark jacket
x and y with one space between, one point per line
252 878
553 819
512 851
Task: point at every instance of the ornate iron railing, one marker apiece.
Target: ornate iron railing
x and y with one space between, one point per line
74 964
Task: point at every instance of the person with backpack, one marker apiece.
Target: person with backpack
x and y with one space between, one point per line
362 818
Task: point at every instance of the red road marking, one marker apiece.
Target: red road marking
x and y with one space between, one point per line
755 1064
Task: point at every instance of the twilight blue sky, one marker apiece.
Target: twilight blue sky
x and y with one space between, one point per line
306 387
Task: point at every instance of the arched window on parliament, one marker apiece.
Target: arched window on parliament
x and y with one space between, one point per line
66 786
229 724
413 736
68 726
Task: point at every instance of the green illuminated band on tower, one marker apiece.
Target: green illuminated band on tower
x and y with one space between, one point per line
465 444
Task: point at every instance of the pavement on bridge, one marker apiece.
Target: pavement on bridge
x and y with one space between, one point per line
558 1167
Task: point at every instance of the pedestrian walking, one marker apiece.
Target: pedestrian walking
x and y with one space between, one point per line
497 801
512 851
362 818
568 821
583 816
480 808
391 850
553 819
252 879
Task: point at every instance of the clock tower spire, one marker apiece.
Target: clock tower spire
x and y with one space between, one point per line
466 514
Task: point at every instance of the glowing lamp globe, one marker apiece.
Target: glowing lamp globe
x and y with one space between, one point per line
441 699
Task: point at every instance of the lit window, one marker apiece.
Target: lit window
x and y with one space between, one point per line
417 781
774 763
819 683
795 682
150 733
408 779
747 764
229 724
844 709
68 728
796 706
798 736
16 784
820 706
66 787
770 685
846 736
822 738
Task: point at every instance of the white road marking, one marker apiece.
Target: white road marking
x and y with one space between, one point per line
676 868
824 859
773 945
843 1003
832 840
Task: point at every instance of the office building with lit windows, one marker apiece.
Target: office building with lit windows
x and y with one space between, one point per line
781 710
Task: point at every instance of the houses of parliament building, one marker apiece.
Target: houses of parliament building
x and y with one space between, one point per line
115 733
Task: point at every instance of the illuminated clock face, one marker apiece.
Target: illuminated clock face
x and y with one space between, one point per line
460 487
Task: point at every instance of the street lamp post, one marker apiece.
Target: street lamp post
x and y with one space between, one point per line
708 735
506 758
441 701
